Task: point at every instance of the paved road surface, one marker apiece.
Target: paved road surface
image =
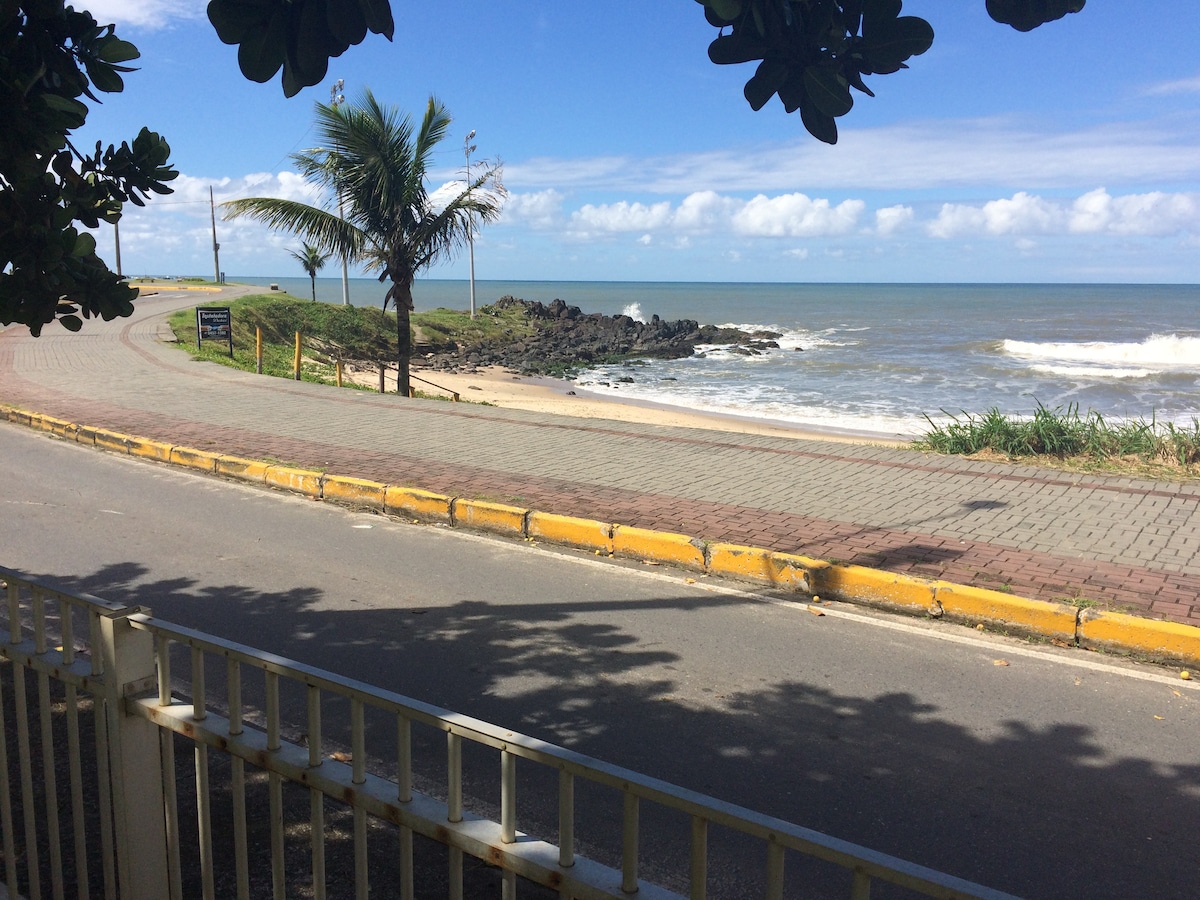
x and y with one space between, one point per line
1058 775
1128 543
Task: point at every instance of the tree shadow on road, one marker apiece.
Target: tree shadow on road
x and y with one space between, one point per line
1039 810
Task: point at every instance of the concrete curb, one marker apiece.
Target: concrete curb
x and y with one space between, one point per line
1092 629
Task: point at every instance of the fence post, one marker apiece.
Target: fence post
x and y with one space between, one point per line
297 361
258 350
135 761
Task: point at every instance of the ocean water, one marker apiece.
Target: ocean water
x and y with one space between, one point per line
879 358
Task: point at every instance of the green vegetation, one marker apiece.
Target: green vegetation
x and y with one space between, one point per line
1074 440
329 333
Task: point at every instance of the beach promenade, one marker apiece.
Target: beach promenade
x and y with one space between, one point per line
1126 544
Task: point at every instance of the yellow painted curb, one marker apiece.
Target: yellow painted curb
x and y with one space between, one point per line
1156 639
85 434
113 440
18 416
784 570
411 503
1043 617
56 426
245 469
658 546
302 481
588 534
356 491
195 459
876 587
150 449
495 517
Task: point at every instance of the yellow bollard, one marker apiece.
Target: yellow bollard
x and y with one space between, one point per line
297 363
339 373
258 350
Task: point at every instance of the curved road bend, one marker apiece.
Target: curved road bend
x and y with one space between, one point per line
1129 543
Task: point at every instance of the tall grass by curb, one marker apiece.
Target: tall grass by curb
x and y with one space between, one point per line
1065 434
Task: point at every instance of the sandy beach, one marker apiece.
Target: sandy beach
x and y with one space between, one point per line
499 387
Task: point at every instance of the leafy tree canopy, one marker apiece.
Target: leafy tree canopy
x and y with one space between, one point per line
809 52
51 56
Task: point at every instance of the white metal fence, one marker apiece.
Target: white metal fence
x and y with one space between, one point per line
88 768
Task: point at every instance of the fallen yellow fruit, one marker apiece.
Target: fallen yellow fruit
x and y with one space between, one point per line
1185 675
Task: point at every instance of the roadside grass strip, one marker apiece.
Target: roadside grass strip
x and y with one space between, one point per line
1151 639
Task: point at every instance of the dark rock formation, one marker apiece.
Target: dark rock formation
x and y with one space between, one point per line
565 339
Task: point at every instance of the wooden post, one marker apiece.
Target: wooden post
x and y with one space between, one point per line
297 362
339 373
382 370
258 350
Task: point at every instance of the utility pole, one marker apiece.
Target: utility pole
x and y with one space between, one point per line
117 242
216 247
336 99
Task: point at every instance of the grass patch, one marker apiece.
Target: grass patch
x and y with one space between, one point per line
1073 440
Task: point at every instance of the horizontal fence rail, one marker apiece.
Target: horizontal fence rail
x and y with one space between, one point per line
261 731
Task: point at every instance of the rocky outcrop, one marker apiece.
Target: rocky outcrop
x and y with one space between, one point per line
564 338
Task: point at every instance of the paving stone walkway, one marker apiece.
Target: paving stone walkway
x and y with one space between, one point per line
1129 544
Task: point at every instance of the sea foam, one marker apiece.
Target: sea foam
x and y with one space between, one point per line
1111 359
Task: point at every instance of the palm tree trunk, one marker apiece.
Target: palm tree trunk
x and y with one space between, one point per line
313 276
402 301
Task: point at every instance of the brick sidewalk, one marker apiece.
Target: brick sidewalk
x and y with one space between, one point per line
1129 544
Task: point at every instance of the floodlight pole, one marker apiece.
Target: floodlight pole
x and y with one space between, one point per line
468 149
336 99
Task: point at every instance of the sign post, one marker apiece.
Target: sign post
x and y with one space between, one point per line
214 323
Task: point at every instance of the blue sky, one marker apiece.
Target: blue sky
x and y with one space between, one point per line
1071 153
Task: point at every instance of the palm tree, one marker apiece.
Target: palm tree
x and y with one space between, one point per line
313 261
376 164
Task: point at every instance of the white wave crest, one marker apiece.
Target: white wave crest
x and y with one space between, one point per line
1092 371
634 311
1156 353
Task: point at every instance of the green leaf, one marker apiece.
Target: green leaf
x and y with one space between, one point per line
830 92
85 245
731 49
104 77
769 78
347 22
1026 15
875 12
71 323
819 125
886 46
262 53
235 20
378 14
114 50
726 10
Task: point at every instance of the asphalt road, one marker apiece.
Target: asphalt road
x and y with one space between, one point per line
1061 774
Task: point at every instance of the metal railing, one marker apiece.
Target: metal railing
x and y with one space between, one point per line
153 684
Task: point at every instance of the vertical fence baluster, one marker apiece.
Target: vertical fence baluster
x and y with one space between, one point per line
49 769
316 798
275 790
166 748
699 869
6 816
203 806
508 817
566 818
34 873
404 795
103 769
233 680
454 810
774 870
860 886
66 615
358 775
629 843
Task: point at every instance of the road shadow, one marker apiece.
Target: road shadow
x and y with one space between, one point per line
1037 811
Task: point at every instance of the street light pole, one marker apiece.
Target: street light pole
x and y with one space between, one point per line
468 149
212 207
336 99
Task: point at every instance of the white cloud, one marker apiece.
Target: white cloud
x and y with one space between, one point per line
621 216
796 215
705 211
1168 88
1095 212
539 210
892 219
149 14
